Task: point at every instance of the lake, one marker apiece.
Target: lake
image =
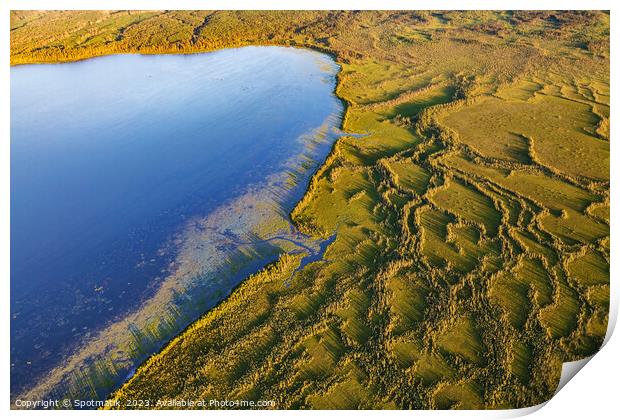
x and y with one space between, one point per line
143 189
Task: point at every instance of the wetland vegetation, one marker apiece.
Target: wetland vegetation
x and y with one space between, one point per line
471 256
160 183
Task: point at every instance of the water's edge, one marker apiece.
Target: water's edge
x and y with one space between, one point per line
91 379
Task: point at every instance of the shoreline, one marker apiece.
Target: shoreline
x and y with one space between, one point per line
477 123
305 188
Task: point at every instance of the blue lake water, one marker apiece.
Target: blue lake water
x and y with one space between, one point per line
115 159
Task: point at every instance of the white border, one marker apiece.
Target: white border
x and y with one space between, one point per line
592 394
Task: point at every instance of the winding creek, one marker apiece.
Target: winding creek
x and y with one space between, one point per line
143 190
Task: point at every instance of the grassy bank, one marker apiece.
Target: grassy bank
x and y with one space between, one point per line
472 249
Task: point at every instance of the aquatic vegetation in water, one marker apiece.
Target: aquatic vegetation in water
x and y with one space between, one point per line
471 256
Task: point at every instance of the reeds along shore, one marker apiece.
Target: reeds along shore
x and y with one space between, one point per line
472 249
